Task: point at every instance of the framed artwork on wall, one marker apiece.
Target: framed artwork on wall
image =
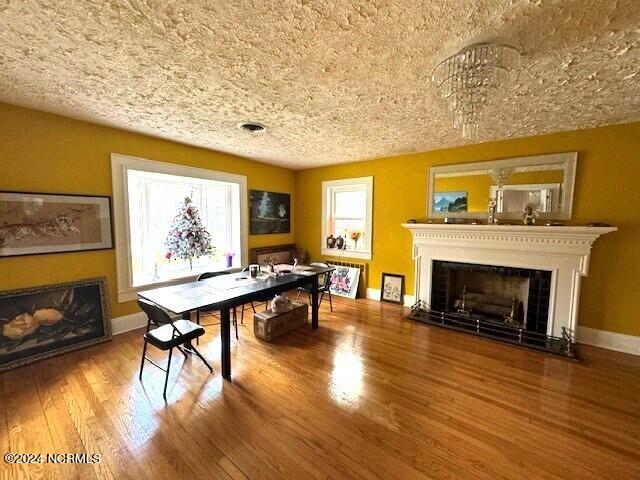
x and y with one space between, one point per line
270 212
344 281
392 288
37 223
42 322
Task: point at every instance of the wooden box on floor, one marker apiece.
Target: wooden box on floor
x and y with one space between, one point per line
268 325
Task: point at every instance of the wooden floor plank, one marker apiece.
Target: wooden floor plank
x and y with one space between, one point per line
368 395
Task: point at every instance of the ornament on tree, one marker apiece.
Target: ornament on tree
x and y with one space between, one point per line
187 237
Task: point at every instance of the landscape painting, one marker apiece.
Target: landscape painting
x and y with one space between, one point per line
270 212
41 322
450 202
34 223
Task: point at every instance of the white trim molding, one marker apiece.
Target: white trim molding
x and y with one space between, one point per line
127 323
374 294
366 184
564 251
609 340
119 166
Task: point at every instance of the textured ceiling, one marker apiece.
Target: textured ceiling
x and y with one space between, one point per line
333 81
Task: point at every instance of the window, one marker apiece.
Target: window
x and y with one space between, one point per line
347 212
147 196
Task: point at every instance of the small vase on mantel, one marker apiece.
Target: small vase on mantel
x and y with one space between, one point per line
339 243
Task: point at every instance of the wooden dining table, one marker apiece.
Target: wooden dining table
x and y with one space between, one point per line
226 292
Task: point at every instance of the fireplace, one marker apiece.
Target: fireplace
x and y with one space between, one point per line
515 283
508 296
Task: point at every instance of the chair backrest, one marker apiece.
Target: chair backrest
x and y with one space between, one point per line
324 280
156 315
205 275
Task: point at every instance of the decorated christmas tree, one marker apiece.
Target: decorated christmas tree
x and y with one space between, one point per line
187 237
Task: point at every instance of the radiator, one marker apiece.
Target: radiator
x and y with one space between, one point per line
364 274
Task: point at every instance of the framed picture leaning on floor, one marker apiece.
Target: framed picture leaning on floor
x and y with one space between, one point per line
392 288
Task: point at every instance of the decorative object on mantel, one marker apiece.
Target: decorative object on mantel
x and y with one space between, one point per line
476 221
564 251
36 223
530 214
41 322
455 221
550 223
340 243
412 220
392 289
188 237
471 78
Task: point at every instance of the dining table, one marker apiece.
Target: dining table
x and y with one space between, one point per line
226 292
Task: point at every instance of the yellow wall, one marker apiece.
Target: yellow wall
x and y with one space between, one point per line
48 153
607 189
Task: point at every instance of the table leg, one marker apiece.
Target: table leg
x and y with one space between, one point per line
314 302
225 337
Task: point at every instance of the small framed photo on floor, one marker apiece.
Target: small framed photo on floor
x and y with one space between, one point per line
392 288
37 223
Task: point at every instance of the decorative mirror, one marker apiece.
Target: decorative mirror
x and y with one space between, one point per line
544 183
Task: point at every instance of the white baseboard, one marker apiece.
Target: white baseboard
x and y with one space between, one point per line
128 322
374 294
609 340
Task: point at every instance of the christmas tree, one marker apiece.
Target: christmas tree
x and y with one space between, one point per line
187 237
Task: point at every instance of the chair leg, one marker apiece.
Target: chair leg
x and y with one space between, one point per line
198 322
166 379
321 297
330 302
144 353
203 360
242 315
235 321
310 299
253 307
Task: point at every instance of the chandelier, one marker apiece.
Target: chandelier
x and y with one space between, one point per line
470 79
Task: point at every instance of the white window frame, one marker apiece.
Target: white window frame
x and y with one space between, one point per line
327 188
120 164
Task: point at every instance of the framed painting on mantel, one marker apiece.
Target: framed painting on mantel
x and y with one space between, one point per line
37 223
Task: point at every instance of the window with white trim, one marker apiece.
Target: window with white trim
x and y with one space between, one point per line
347 213
147 197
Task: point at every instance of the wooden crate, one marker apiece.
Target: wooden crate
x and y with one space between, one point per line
268 325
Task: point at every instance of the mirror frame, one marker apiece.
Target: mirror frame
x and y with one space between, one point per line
566 161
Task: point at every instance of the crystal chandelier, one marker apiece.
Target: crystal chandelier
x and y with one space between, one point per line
470 79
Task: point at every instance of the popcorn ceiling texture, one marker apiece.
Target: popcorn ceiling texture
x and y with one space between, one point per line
333 81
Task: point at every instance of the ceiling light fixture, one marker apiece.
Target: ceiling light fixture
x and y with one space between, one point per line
471 78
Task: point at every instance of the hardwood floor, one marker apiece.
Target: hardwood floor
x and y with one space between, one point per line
369 395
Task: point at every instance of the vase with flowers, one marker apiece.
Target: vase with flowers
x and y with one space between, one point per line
355 236
229 256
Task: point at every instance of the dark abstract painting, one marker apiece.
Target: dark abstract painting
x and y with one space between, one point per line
270 212
40 322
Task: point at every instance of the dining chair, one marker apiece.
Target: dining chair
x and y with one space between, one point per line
261 299
204 276
168 334
324 285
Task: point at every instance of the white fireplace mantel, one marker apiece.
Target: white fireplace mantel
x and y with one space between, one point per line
565 251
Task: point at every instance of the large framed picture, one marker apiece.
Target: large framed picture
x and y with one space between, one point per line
270 212
344 281
41 322
36 223
392 288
